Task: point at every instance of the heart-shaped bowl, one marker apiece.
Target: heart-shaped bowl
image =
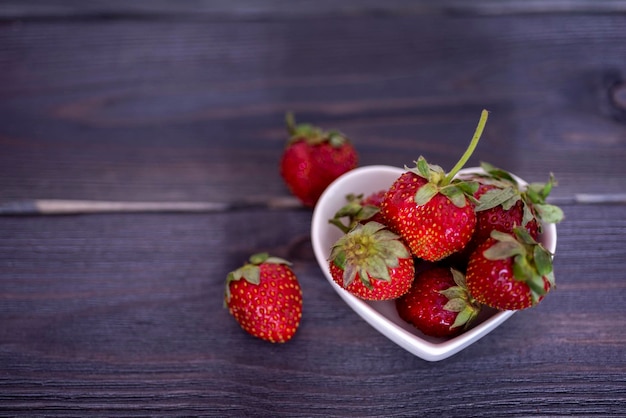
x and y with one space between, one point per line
382 315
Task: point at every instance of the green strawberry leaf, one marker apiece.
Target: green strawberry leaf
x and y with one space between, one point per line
549 213
503 250
538 192
365 277
372 228
459 278
527 215
337 222
354 211
522 270
423 168
312 134
252 274
277 260
376 267
393 250
384 234
455 194
467 187
455 305
508 204
543 260
505 247
338 256
495 197
425 194
498 173
258 258
524 236
336 139
453 292
465 316
367 212
349 274
502 236
351 208
536 286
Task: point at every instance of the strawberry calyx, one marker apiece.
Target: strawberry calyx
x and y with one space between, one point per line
311 134
368 250
251 271
355 212
537 193
507 193
531 261
460 300
457 190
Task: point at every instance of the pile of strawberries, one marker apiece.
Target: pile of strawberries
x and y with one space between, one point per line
442 246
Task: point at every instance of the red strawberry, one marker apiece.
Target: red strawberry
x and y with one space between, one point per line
375 199
503 204
431 210
503 216
265 298
359 210
438 303
372 263
313 159
510 271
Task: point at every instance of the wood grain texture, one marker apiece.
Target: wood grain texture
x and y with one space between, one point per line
281 9
121 314
196 99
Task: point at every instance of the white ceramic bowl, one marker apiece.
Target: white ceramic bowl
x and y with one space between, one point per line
382 315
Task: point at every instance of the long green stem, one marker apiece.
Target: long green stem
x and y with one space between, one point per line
470 149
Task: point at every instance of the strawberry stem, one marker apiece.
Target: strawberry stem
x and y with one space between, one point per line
470 149
291 123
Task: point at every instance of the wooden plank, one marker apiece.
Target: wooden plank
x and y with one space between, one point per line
184 111
122 315
272 9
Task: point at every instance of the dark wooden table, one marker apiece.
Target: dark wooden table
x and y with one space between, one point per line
120 314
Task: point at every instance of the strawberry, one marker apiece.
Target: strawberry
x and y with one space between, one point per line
510 271
313 159
503 204
438 303
374 199
265 298
431 210
372 263
359 210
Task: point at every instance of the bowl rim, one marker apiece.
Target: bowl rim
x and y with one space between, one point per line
427 348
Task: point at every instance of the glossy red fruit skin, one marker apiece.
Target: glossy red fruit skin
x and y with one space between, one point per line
271 310
432 231
401 280
491 282
308 169
423 305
